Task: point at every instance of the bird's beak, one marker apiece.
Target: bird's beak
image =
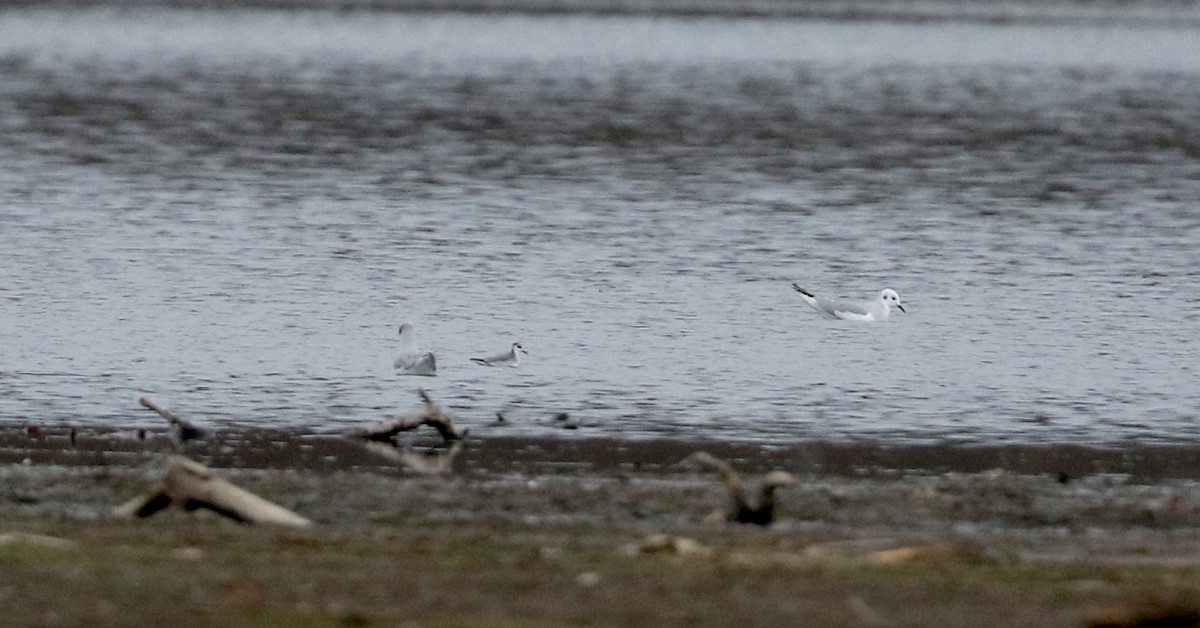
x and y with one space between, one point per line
902 308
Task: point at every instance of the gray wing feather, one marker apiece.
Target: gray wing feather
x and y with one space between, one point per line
832 309
852 308
416 364
503 356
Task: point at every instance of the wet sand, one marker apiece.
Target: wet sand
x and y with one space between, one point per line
585 531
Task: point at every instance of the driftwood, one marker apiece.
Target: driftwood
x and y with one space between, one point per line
429 414
191 485
751 501
183 430
438 461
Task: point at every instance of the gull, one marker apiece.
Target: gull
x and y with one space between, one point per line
512 357
878 310
412 361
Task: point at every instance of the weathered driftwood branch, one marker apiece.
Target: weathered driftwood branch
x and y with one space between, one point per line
433 462
751 501
429 414
183 430
191 485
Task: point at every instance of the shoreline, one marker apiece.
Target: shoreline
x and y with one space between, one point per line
1159 12
492 453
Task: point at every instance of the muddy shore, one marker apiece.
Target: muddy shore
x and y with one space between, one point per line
584 451
919 11
586 531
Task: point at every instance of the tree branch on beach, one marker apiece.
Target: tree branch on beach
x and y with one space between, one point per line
381 439
191 485
751 500
429 414
435 461
182 431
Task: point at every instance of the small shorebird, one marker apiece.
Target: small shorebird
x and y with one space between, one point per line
411 361
512 357
878 310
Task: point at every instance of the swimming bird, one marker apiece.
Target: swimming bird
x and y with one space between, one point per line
512 357
411 361
878 310
563 420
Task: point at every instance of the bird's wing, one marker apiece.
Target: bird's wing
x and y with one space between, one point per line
841 309
416 363
832 309
499 357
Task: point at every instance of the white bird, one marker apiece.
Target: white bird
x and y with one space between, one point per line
878 310
412 361
512 357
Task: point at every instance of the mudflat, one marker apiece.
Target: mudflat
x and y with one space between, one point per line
578 531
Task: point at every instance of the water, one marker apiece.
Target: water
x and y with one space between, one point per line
233 211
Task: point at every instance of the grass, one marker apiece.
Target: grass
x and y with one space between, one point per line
566 551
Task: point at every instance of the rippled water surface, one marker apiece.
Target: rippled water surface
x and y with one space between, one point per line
233 211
